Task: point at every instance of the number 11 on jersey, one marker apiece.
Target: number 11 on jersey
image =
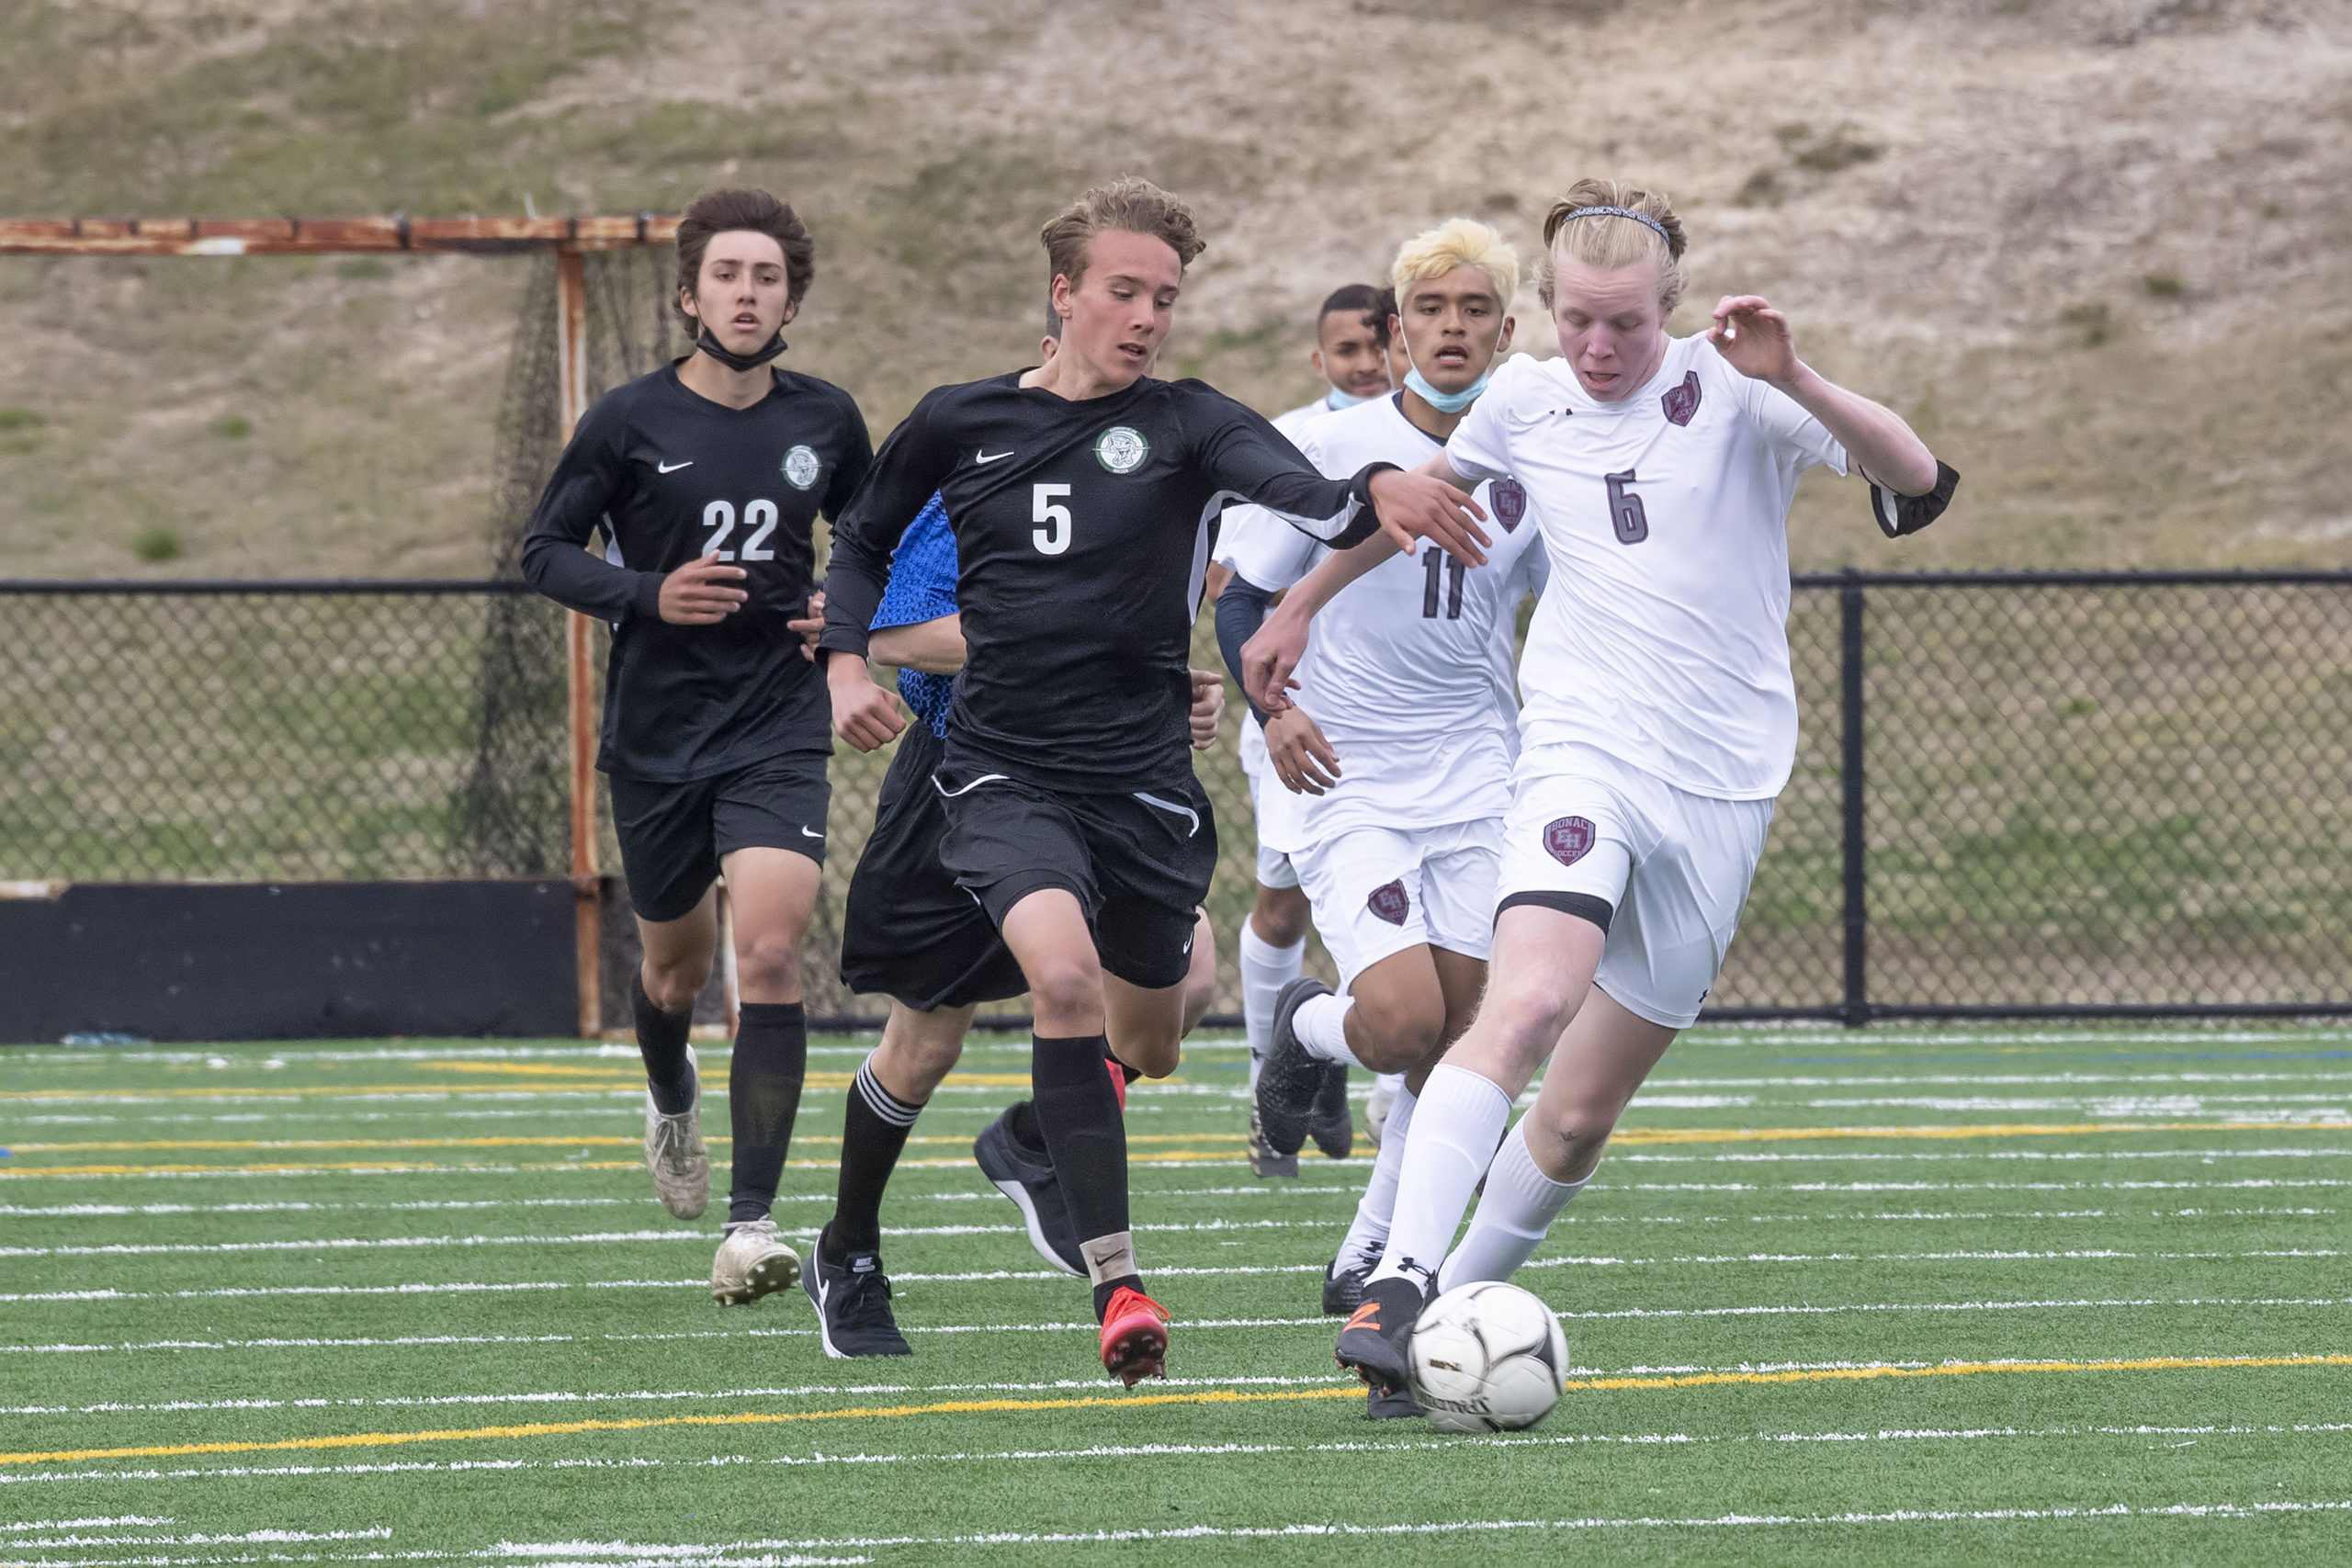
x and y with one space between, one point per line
1054 538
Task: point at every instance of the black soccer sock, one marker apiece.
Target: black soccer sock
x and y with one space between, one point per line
763 1096
1079 1112
1021 1121
874 1133
662 1041
1123 1076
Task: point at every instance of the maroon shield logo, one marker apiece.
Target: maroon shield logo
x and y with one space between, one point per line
1389 902
1508 499
1681 402
1568 839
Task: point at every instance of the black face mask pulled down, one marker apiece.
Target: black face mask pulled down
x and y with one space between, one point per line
739 362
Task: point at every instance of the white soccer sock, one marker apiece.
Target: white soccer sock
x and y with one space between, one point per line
1369 1231
1520 1205
1265 970
1321 1025
1460 1120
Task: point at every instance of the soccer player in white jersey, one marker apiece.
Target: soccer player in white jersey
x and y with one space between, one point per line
1352 356
1401 736
1660 719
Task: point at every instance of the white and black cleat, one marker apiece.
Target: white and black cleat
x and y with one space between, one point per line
853 1302
752 1263
1290 1079
674 1152
1026 1175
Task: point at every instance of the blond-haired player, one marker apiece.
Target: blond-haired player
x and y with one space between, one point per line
1661 725
1400 742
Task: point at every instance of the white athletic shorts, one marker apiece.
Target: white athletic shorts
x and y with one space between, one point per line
1377 891
1275 869
1673 866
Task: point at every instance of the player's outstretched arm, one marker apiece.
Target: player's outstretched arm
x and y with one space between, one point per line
1428 504
1756 341
935 648
1271 652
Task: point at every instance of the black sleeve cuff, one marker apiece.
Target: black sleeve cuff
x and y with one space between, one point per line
1900 514
1366 522
645 597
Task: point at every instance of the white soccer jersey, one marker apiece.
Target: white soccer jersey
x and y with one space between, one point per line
1241 522
1409 670
1663 638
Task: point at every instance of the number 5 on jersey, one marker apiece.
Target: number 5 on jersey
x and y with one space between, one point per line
1054 538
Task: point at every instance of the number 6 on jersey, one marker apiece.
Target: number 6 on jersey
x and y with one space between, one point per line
1054 539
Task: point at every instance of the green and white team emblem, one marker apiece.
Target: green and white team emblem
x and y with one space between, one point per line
800 466
1122 449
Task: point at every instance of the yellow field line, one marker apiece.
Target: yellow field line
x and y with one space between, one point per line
10 1172
504 1141
1205 1396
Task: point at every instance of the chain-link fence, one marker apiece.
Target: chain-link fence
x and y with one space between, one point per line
2015 793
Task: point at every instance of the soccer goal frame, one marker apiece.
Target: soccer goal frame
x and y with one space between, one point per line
571 240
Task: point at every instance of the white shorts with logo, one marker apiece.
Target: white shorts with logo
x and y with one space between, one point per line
1377 891
1674 866
1275 868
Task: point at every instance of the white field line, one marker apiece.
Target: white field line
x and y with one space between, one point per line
242 1538
107 1521
1235 1270
1325 1323
568 1551
1177 1450
348 1244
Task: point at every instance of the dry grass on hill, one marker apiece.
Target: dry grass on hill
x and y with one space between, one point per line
2088 246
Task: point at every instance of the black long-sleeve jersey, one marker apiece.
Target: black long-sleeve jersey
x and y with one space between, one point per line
672 476
1083 533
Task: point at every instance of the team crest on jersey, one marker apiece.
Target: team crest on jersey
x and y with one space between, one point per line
1390 902
800 466
1508 498
1122 449
1569 840
1681 402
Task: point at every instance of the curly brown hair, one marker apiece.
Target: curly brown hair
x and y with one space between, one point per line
722 211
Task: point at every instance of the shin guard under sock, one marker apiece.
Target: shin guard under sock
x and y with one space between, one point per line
763 1097
1457 1121
662 1041
873 1134
1078 1112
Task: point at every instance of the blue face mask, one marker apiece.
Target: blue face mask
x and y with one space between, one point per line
1445 402
1336 399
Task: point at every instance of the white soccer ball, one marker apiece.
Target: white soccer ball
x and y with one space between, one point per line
1488 1357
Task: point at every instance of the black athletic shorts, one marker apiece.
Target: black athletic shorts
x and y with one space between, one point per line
1138 863
674 835
908 931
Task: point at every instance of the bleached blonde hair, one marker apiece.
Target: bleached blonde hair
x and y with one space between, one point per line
1610 242
1457 241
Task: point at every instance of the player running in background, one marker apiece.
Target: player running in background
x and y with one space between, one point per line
1083 496
1352 354
1401 737
1661 718
910 932
707 476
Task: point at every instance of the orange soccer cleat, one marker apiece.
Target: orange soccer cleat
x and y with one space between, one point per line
1135 1337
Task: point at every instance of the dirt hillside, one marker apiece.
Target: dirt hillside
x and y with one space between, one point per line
2093 248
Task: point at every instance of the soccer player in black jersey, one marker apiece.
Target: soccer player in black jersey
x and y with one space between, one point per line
707 476
1083 495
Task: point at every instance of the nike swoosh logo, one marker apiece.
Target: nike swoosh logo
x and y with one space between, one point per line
806 834
989 456
672 468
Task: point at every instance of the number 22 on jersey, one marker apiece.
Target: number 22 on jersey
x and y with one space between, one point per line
758 517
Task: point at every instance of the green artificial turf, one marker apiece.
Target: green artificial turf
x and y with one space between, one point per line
299 1246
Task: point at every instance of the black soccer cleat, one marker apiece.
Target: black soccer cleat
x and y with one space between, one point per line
1328 1122
1342 1293
1263 1161
1026 1175
1390 1405
1289 1079
853 1302
1375 1342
